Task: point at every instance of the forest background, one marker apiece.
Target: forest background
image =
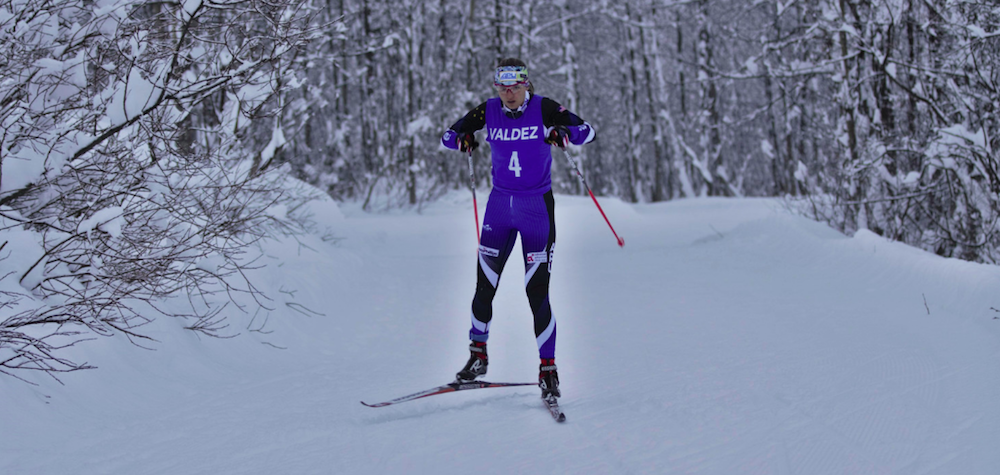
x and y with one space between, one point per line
147 145
881 114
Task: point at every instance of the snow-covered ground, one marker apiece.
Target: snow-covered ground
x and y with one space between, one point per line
726 337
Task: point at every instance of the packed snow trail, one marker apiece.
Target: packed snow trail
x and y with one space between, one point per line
727 336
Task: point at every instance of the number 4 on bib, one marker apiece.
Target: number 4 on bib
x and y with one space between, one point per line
515 165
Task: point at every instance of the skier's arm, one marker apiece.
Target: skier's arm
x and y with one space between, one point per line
553 114
473 121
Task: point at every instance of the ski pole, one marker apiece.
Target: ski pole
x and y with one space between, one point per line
472 185
621 242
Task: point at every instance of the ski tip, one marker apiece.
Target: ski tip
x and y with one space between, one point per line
561 418
621 242
374 405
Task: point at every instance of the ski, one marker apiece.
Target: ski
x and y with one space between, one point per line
553 406
447 388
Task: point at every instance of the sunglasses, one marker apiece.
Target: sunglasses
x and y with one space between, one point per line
515 88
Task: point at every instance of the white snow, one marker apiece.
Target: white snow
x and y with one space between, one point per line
419 125
191 6
131 98
802 171
277 141
109 220
766 148
726 337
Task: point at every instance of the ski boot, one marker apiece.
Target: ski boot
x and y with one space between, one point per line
476 366
548 379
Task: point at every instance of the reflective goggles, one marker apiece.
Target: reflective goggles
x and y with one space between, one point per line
514 89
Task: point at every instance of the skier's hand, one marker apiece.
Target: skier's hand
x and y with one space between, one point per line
558 136
467 143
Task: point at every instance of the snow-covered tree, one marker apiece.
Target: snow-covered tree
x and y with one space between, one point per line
137 161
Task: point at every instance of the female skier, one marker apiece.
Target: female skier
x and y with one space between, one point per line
521 126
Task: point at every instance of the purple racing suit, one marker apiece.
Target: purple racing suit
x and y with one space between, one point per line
521 202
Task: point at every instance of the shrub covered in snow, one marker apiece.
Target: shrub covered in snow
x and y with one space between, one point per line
137 149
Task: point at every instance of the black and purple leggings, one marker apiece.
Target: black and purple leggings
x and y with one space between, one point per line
506 216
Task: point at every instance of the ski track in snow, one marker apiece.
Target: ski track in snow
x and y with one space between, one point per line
727 337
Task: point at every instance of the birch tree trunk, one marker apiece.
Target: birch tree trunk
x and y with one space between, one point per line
634 122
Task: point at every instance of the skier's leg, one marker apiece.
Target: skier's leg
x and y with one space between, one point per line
536 223
495 244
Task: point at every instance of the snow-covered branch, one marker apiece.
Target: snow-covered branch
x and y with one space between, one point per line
125 169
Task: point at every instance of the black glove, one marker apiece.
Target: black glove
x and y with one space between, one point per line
467 143
558 136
